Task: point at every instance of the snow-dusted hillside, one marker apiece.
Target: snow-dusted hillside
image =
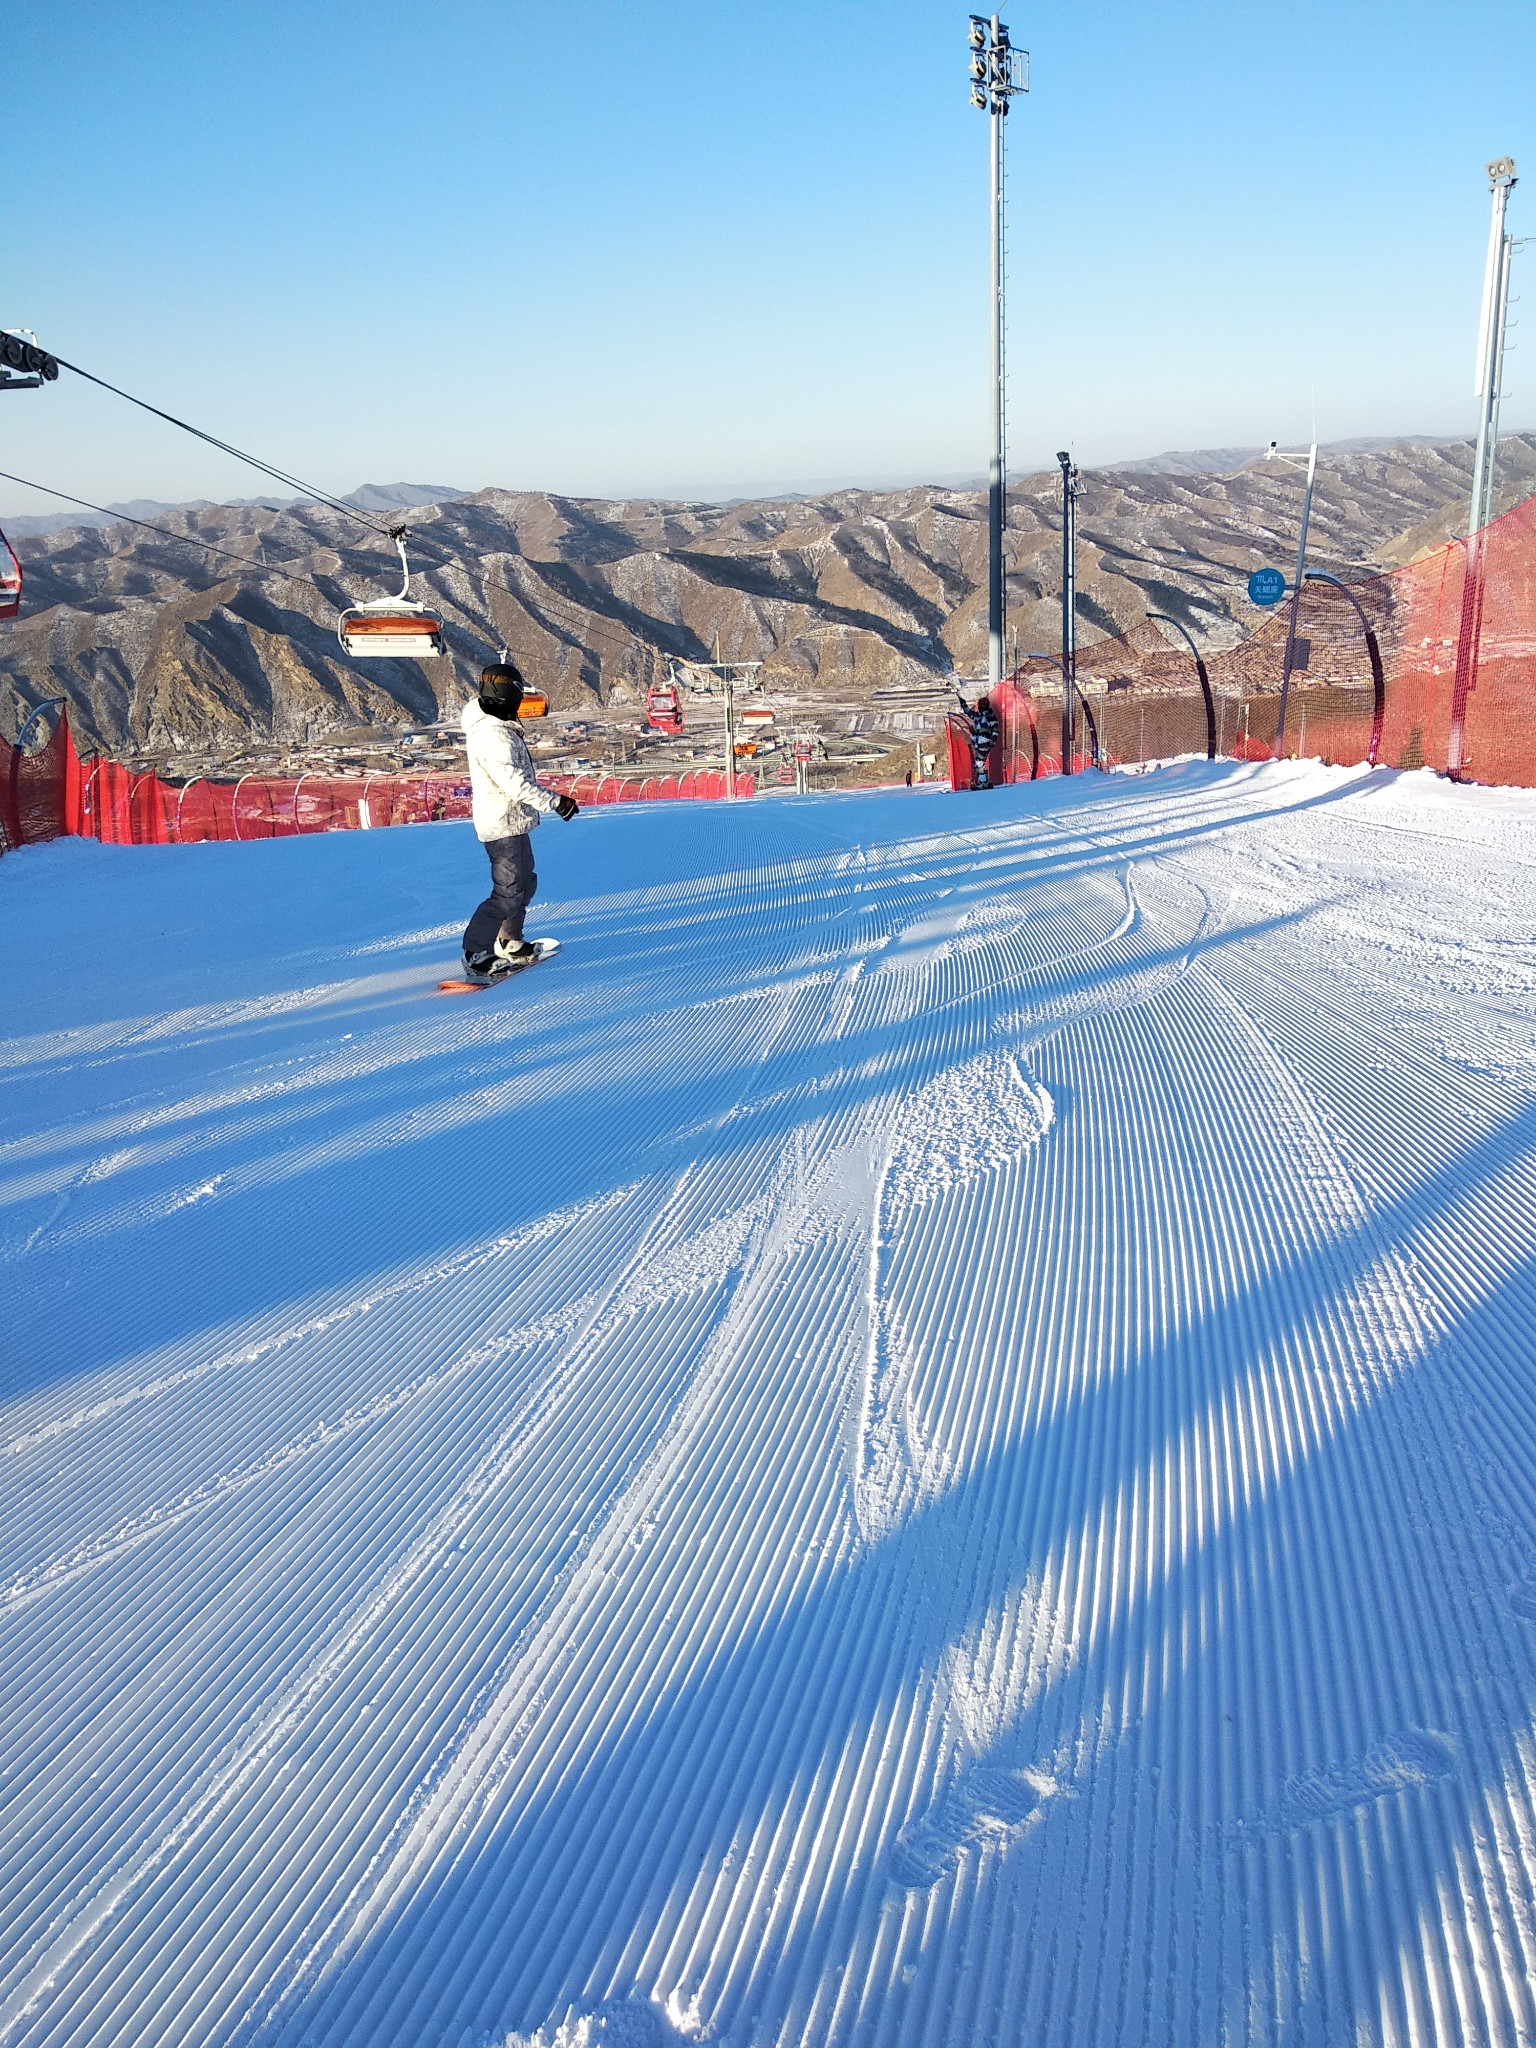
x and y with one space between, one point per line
927 1437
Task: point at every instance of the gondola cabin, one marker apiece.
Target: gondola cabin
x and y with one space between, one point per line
664 708
10 580
755 715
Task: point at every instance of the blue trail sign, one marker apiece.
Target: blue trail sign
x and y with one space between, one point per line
1266 586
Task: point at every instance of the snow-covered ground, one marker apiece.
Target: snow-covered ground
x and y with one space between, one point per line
927 1437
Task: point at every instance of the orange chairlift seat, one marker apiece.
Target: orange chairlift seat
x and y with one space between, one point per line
10 580
392 625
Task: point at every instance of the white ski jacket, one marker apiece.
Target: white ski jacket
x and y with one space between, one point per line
506 798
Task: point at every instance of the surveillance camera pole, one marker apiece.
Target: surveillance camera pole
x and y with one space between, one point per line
998 73
1301 575
1068 608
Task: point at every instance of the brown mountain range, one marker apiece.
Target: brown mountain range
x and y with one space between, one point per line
163 650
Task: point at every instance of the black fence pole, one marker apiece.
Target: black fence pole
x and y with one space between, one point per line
1205 682
1373 649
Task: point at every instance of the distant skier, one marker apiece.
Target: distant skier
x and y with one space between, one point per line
507 804
982 720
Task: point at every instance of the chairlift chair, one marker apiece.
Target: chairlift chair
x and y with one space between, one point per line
392 625
10 580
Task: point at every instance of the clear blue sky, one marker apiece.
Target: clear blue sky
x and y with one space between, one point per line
658 244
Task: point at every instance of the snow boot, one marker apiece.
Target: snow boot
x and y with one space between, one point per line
482 967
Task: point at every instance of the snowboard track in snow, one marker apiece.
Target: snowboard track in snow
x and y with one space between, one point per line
929 1438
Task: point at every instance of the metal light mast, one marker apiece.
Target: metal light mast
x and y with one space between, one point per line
998 72
1490 344
1490 371
1068 608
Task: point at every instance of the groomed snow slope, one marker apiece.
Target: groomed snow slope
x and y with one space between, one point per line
927 1437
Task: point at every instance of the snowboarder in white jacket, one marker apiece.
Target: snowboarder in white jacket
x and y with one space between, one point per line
507 804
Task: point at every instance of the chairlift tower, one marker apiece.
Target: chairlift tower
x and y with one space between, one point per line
728 671
998 74
23 365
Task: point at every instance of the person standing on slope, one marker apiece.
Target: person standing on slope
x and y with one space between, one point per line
984 731
507 804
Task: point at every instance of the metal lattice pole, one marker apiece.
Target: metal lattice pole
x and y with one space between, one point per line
1068 608
1490 344
1490 361
998 73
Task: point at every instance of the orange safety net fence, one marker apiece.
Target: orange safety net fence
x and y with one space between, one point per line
52 792
1453 685
40 791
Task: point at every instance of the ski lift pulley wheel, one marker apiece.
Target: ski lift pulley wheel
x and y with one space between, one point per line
10 580
392 625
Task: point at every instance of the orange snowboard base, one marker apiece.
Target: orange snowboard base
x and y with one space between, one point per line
468 988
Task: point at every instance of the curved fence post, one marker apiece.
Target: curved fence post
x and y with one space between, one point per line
1205 681
1373 649
13 806
234 803
180 800
1093 727
1014 699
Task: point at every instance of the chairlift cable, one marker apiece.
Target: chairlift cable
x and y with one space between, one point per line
126 519
281 476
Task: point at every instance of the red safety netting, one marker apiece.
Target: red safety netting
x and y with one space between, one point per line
52 792
39 792
1432 664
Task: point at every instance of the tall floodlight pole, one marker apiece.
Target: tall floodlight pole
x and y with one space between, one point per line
1490 344
1068 608
998 72
1490 370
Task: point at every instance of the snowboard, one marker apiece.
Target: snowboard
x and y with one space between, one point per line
544 947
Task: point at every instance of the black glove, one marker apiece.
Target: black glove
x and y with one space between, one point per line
567 806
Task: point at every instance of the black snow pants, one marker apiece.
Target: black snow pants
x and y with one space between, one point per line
513 883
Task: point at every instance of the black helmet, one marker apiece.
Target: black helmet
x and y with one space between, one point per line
501 689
